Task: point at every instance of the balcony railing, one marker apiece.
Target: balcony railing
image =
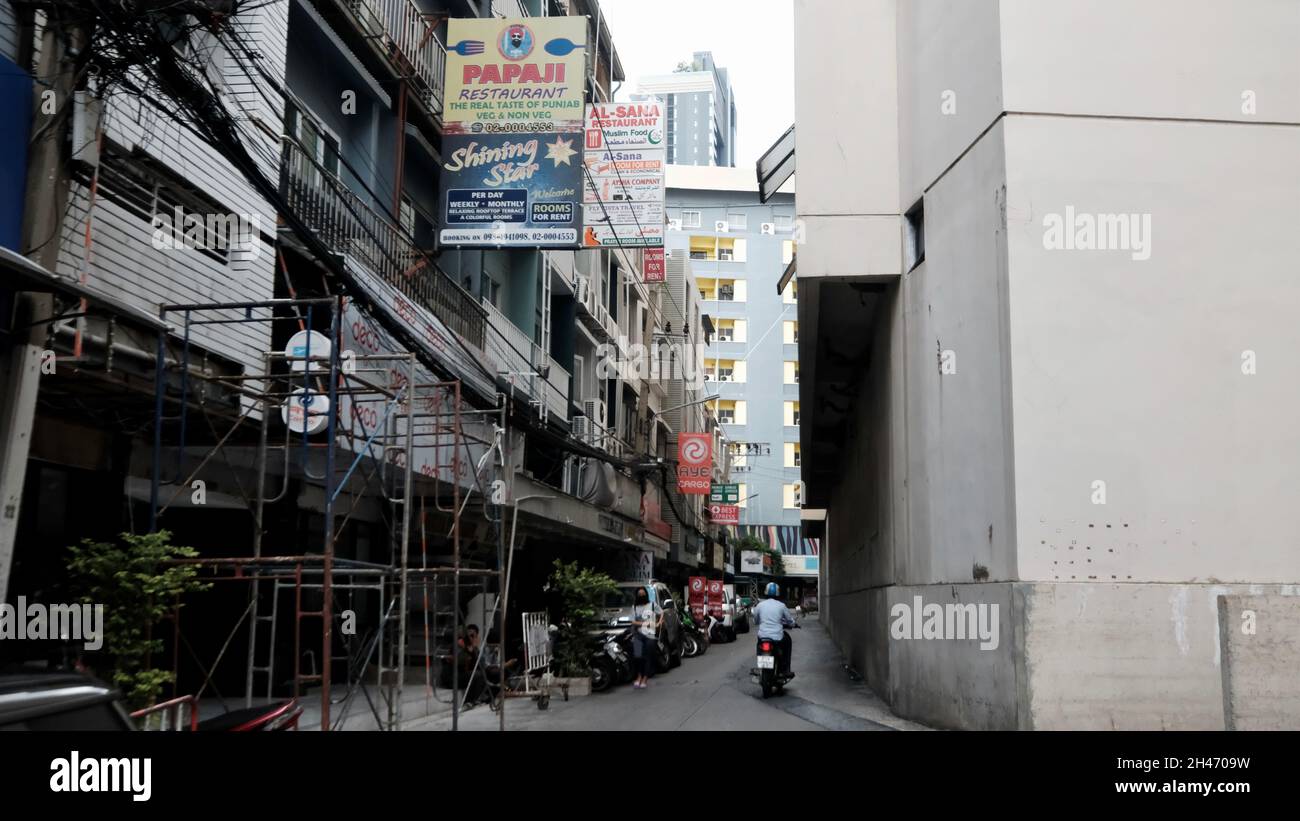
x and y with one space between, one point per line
406 37
348 226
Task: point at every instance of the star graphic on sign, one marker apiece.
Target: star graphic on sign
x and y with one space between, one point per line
560 151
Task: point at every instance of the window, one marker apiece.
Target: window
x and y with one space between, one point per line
787 251
737 222
723 249
319 146
729 411
690 219
789 496
790 332
914 244
791 413
743 490
784 222
792 454
791 373
731 330
791 295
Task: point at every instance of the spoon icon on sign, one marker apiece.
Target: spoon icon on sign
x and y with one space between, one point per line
561 46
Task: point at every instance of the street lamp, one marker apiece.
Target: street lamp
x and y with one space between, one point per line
654 413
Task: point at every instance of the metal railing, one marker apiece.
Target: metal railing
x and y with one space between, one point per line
348 226
409 41
509 8
524 360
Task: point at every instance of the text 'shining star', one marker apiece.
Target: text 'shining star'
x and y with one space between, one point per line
561 151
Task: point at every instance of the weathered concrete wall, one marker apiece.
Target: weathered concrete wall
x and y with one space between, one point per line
1260 661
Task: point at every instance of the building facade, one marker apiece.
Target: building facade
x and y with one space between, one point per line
1028 387
738 249
701 112
339 105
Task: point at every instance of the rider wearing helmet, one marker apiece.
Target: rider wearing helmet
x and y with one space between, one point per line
771 617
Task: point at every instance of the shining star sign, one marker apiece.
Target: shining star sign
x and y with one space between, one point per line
511 190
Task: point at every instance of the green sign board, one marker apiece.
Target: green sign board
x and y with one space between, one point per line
724 494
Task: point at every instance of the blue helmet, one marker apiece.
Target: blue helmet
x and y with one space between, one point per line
772 591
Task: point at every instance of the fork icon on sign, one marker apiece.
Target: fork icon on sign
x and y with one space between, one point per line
467 47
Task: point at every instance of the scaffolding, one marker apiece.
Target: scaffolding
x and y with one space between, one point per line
381 427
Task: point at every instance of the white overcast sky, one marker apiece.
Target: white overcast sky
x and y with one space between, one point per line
749 38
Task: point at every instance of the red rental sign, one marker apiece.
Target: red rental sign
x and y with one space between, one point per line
716 600
725 514
694 463
697 595
652 262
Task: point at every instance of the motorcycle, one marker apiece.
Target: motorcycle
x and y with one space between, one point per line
717 631
611 659
766 673
694 640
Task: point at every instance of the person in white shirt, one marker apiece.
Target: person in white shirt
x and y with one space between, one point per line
647 619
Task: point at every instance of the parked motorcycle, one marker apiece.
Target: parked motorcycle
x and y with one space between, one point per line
694 639
717 631
611 658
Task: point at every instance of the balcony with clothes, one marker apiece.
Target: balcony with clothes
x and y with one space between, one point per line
346 224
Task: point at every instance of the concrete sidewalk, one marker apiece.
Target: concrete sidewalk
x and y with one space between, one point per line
829 693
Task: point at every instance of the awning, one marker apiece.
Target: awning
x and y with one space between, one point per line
18 273
776 166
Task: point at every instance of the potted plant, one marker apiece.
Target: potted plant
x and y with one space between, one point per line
138 583
581 592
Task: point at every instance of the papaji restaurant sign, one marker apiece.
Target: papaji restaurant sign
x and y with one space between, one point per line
515 75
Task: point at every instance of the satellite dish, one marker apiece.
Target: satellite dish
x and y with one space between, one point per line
298 347
306 411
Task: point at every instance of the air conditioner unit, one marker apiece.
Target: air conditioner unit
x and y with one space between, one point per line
724 378
581 428
595 410
582 290
674 225
767 228
720 226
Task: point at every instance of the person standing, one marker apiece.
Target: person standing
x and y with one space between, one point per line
646 620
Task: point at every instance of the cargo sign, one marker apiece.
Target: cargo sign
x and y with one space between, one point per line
511 190
515 75
625 159
694 463
725 494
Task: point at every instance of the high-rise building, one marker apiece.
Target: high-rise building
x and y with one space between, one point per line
738 249
701 111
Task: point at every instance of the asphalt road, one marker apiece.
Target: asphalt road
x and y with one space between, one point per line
709 692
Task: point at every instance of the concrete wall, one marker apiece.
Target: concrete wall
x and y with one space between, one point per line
1259 660
1130 372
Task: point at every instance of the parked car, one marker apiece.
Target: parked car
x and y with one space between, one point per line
41 700
736 618
620 606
